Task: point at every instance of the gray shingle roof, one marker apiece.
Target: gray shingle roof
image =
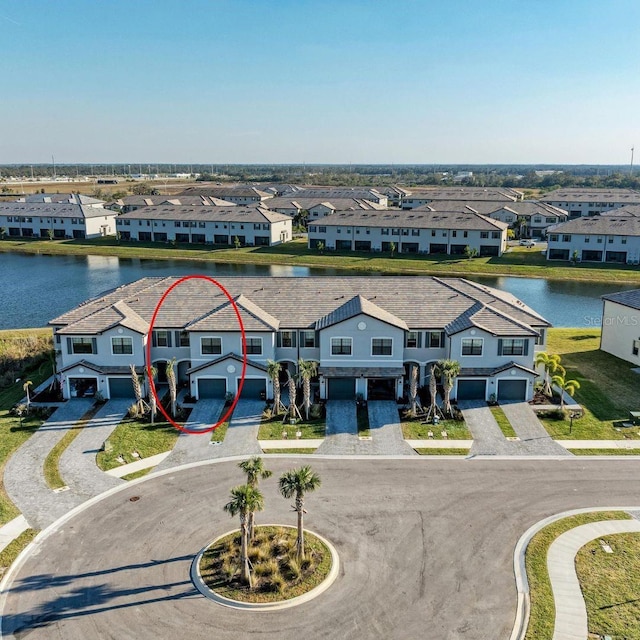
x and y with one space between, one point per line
294 202
490 320
629 196
610 225
104 369
237 214
628 210
626 298
466 193
119 313
52 210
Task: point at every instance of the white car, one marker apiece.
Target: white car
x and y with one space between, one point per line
525 242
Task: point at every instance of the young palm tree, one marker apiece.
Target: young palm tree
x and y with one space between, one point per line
244 500
25 387
141 405
308 369
153 404
254 468
448 369
298 482
273 371
173 387
570 386
552 366
291 386
413 390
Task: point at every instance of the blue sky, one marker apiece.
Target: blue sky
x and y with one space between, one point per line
280 81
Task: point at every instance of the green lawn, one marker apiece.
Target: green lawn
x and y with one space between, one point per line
610 584
13 549
503 422
530 263
605 452
542 618
273 428
136 435
362 418
415 430
608 387
297 450
442 452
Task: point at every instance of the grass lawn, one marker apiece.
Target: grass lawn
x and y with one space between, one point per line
605 452
137 435
542 618
218 434
277 573
272 429
362 417
442 452
415 430
297 450
13 549
610 584
503 422
529 262
608 387
137 474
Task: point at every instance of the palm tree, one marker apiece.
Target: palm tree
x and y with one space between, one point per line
244 500
25 388
449 370
570 386
308 369
298 482
149 375
141 405
173 388
293 410
552 366
273 371
254 468
413 389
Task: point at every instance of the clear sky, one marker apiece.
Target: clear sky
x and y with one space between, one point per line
331 81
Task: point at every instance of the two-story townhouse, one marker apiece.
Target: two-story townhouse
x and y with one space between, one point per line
603 238
441 232
365 334
621 325
246 226
238 194
585 202
330 194
426 196
318 207
132 203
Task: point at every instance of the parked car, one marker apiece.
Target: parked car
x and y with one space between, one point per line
526 242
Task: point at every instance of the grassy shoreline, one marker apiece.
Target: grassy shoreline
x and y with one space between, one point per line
515 263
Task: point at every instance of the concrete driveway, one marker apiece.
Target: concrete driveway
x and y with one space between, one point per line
426 548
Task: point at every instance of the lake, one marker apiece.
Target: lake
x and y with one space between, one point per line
37 288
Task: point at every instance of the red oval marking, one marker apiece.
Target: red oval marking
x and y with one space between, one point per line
244 355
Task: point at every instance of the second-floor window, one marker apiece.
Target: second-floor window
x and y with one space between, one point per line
413 340
308 339
340 346
121 346
512 347
82 345
381 346
254 346
471 346
161 338
286 339
183 339
211 346
436 339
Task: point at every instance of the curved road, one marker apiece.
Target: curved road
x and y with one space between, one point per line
426 549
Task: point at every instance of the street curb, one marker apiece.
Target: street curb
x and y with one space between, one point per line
523 608
200 585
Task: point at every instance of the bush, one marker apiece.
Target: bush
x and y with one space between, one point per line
553 414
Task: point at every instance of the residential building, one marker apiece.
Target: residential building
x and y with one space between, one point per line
607 238
628 210
252 226
495 194
132 203
318 208
238 194
338 193
621 325
590 202
365 333
423 232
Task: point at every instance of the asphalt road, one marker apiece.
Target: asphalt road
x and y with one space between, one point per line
426 548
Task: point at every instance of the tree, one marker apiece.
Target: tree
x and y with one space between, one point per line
141 405
568 386
307 369
25 387
244 500
552 366
392 248
236 242
273 371
291 386
413 390
298 482
575 257
149 374
470 252
449 370
171 380
50 234
254 468
3 233
320 246
434 409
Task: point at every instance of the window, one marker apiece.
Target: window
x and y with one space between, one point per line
512 347
308 339
433 233
82 345
322 229
471 346
465 234
587 239
211 346
415 232
541 337
385 232
340 346
121 346
183 339
495 235
454 234
286 339
537 220
566 238
553 237
161 338
381 346
436 339
413 339
550 220
254 346
484 234
610 240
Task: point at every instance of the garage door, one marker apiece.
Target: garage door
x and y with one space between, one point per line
212 388
472 389
512 389
342 389
121 388
253 388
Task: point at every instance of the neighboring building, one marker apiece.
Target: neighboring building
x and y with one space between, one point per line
62 198
58 219
253 226
590 202
608 238
365 333
238 194
424 232
395 195
318 208
629 210
420 198
621 325
132 203
336 193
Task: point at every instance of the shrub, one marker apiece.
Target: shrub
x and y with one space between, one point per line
553 414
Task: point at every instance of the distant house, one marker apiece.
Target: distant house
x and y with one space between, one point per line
426 196
621 325
65 217
132 203
252 226
424 232
238 194
337 193
590 202
318 208
607 238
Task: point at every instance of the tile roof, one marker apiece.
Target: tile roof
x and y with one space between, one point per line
466 193
355 307
224 318
628 210
489 320
119 313
227 356
53 210
294 202
62 198
490 371
233 191
626 298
